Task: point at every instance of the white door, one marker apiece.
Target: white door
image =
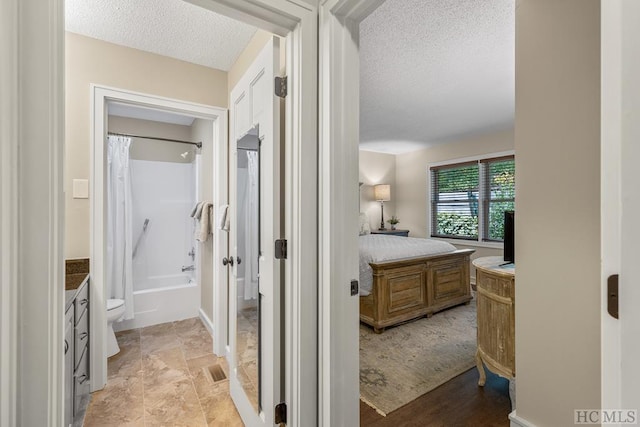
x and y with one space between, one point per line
255 291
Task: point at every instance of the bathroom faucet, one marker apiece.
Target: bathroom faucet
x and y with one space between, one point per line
188 268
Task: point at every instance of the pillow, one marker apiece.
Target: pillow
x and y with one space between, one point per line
365 228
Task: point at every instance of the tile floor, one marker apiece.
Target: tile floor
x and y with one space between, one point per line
247 353
160 378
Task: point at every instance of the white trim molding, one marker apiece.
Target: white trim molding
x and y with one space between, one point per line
100 96
611 198
338 256
9 147
517 421
207 323
32 76
472 158
301 221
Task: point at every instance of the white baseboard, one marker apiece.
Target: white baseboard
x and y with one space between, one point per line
207 322
516 421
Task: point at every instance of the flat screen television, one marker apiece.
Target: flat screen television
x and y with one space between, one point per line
509 229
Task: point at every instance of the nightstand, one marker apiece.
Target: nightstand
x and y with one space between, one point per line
389 232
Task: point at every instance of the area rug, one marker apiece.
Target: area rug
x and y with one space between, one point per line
409 360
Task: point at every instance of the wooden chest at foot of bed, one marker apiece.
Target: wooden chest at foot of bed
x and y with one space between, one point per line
410 288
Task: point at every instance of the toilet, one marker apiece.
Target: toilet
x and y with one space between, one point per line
115 311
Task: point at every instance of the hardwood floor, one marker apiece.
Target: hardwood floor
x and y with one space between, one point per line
459 402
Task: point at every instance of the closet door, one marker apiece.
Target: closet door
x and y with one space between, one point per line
255 284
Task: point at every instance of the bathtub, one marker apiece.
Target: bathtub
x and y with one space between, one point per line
155 298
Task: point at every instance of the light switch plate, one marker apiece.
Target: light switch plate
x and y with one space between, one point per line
80 188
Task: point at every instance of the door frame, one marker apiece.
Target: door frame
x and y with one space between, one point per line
610 160
100 96
619 130
31 170
9 189
339 164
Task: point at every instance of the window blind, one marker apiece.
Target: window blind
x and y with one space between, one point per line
499 185
455 195
468 200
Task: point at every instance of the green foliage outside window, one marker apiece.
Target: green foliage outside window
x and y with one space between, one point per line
466 179
453 224
457 180
503 187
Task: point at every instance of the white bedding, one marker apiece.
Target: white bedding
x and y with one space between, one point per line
379 247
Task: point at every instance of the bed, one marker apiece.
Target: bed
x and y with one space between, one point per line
404 278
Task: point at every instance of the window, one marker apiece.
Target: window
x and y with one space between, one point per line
468 199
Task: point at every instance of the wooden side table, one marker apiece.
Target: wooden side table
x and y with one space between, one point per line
496 317
389 232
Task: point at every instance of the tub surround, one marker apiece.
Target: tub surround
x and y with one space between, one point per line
76 274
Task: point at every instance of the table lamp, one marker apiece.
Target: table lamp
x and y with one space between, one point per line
382 193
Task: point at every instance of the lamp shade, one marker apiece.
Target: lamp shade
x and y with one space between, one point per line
382 192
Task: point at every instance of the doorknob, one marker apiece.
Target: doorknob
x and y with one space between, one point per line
226 261
238 260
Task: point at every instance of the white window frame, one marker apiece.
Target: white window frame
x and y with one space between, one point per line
461 241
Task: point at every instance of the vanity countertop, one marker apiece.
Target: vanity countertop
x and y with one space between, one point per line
76 274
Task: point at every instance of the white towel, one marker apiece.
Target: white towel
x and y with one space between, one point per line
202 233
223 218
197 210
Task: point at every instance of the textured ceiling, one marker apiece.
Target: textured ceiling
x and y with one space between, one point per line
433 71
172 28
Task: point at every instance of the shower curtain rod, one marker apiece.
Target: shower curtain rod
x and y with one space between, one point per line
197 144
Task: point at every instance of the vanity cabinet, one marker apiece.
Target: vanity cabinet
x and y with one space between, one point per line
76 347
69 361
81 348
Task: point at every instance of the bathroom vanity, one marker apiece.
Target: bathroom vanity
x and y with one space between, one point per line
76 342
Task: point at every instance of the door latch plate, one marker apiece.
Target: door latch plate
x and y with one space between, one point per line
612 295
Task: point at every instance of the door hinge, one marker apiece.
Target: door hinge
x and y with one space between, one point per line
281 413
281 86
612 295
281 249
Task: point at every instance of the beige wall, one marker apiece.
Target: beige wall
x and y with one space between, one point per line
145 149
93 61
202 130
377 168
557 139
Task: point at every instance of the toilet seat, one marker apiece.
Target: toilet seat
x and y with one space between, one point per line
113 304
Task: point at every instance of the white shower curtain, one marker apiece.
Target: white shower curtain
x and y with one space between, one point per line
119 273
251 227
